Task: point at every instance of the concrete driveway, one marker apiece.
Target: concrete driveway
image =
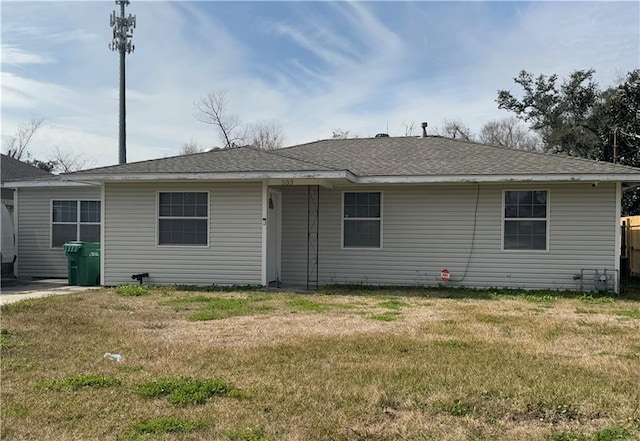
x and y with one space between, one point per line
15 290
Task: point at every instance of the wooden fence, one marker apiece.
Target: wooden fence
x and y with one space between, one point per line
630 244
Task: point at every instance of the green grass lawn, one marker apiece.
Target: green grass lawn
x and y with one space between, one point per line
349 363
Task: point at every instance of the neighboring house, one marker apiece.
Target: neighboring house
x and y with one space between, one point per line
11 170
388 211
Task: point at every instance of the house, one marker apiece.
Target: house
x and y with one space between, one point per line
386 211
11 170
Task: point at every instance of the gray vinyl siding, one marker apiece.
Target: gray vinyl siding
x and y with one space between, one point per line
36 258
233 255
430 227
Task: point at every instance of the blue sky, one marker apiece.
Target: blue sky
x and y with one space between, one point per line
311 66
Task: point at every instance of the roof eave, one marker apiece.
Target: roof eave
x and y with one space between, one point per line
45 183
221 176
558 177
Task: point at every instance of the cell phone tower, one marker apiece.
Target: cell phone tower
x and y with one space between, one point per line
122 34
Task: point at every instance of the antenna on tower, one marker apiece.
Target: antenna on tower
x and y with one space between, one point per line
122 34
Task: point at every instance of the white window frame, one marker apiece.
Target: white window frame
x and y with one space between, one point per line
342 219
547 219
77 222
188 246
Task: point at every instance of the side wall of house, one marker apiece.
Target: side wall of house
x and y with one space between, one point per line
36 258
428 228
233 255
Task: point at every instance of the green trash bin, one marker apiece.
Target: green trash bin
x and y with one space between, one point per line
83 260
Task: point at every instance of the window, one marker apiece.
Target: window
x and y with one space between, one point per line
525 220
74 220
362 221
183 218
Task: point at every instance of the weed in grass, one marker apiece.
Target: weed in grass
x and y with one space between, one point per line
608 434
132 290
611 434
245 435
590 298
216 308
452 344
393 304
458 408
14 410
82 381
123 308
388 316
569 436
167 424
539 297
632 313
192 299
302 304
552 413
185 391
7 339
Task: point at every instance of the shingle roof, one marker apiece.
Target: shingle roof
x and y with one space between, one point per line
365 157
437 156
11 169
239 159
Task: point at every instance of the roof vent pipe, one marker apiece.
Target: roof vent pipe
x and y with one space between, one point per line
424 129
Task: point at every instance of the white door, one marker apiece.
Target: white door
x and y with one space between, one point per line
274 221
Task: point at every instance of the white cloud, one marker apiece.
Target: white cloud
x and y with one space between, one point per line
14 56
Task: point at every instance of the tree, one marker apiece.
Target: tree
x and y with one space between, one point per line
212 109
65 161
48 166
620 122
509 133
342 134
16 145
561 115
190 147
455 129
580 119
267 135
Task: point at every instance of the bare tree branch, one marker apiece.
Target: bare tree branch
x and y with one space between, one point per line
509 133
455 129
190 147
212 109
67 161
16 145
267 135
408 127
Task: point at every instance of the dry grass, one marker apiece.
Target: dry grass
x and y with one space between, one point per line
382 366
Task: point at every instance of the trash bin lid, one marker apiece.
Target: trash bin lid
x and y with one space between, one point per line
72 247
